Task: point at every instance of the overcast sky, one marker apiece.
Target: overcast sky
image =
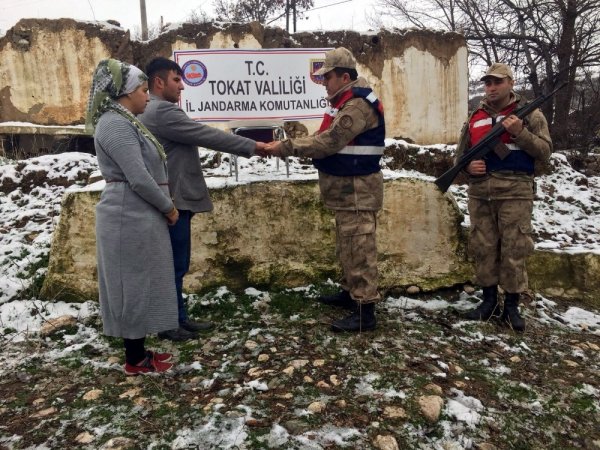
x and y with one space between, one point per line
327 14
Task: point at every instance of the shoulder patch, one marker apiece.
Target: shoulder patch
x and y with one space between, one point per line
346 121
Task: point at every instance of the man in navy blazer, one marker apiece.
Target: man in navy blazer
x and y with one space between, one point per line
181 137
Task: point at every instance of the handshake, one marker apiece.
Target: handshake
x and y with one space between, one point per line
266 150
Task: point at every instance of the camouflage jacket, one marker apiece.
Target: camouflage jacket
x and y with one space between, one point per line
355 193
534 140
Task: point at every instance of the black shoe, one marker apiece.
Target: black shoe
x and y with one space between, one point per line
510 315
177 335
191 325
489 307
362 319
342 300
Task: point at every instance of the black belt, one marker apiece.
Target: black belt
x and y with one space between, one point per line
510 172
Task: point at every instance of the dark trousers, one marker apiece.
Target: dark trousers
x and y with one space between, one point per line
135 351
180 234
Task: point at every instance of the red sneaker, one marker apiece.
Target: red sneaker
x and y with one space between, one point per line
160 357
147 366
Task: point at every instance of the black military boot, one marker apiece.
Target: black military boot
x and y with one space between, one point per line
511 315
362 319
489 307
342 299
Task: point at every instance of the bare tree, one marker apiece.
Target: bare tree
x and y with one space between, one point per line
550 41
441 14
154 30
197 16
257 10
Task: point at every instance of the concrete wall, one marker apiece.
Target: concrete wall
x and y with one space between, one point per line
278 234
46 68
421 76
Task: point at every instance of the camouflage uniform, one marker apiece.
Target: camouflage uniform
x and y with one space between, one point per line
355 200
501 205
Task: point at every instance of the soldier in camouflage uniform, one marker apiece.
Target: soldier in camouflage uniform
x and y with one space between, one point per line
346 150
501 192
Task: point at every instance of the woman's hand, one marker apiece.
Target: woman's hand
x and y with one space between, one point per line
172 216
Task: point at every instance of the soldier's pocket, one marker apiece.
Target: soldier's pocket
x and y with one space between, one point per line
356 229
359 241
524 243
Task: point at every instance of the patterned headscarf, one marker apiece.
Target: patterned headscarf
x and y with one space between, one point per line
113 79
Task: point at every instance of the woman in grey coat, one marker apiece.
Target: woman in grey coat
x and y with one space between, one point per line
135 266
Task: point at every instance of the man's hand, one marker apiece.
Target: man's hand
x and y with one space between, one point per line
274 148
172 216
260 150
476 168
513 125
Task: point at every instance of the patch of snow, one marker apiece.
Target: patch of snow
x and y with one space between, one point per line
277 437
588 389
26 317
501 370
576 316
464 408
257 385
219 432
253 292
327 436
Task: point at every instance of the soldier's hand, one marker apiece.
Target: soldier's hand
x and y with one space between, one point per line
274 148
513 124
476 168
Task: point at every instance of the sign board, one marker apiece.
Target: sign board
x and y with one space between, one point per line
223 85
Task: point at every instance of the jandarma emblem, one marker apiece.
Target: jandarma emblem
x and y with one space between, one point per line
194 73
316 64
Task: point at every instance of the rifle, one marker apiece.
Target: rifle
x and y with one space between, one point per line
489 142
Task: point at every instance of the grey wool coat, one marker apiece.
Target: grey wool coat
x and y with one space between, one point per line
181 137
135 262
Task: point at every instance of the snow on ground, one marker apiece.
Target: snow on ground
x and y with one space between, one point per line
31 192
566 215
233 404
23 318
566 212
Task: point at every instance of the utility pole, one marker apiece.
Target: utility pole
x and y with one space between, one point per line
287 15
144 20
294 6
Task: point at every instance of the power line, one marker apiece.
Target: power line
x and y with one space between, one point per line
93 14
307 10
327 6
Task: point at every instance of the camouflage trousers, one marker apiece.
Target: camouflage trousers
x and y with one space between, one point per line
500 241
356 249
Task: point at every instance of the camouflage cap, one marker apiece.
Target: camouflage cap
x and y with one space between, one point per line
498 70
339 57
